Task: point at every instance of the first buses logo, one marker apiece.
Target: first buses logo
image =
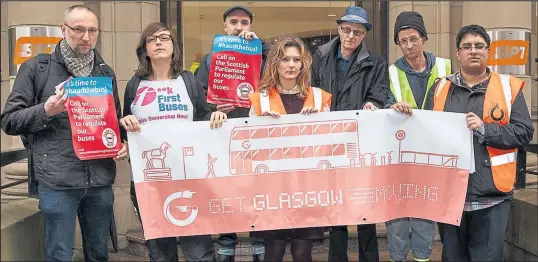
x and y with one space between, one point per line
28 47
192 210
508 53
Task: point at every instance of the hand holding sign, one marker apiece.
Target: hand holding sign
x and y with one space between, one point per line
248 35
272 114
473 121
308 110
403 107
60 87
369 106
217 118
56 103
130 123
123 153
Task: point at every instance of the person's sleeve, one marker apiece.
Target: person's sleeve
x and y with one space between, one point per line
127 102
391 100
117 104
20 116
377 91
314 70
428 104
202 74
203 111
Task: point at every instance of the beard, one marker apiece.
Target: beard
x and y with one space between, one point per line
77 50
80 52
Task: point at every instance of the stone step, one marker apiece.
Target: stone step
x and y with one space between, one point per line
353 256
137 246
124 256
5 198
12 173
17 190
127 255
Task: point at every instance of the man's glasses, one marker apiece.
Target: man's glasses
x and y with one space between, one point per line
347 30
80 31
477 46
153 38
412 40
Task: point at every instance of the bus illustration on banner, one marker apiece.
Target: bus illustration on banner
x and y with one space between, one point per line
252 149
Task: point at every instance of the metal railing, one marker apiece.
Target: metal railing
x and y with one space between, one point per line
536 61
522 171
12 156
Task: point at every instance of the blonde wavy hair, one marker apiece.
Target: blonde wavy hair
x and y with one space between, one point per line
270 79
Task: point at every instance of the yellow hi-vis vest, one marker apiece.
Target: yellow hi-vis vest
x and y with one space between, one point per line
400 88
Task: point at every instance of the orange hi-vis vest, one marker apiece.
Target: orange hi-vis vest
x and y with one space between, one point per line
500 95
316 97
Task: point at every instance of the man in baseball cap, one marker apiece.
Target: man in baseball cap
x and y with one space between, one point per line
237 7
237 20
357 79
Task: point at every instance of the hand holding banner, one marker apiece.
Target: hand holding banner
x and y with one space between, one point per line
234 72
92 114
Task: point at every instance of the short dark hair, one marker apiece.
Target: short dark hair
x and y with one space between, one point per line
144 66
73 7
473 30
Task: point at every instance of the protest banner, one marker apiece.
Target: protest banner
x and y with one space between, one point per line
300 171
234 70
92 114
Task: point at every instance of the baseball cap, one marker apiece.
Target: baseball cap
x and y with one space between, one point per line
237 7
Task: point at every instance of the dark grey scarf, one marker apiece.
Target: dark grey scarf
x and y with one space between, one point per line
81 66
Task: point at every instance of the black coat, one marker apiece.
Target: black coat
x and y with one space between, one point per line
367 78
293 233
54 160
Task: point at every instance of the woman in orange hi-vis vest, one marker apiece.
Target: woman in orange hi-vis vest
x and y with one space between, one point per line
498 115
285 89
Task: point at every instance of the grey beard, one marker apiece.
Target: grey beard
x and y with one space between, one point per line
79 53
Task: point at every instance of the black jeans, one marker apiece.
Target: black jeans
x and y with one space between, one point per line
301 249
195 248
480 236
368 250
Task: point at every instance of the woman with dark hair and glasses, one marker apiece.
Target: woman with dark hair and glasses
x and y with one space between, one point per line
161 87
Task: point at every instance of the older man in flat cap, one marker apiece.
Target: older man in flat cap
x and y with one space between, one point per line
357 79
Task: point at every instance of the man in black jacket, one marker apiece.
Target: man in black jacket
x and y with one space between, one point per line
498 115
357 79
66 185
237 21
